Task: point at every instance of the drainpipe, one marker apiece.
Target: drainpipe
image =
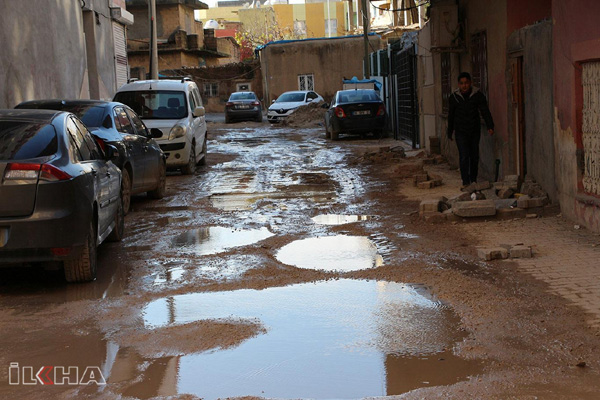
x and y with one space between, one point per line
153 39
365 13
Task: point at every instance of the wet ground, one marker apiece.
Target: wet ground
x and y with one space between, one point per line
285 269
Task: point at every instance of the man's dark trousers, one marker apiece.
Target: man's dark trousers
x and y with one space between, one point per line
468 151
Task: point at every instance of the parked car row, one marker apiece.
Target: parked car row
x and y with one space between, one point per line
69 167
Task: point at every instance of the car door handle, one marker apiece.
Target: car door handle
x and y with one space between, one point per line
108 174
94 172
145 148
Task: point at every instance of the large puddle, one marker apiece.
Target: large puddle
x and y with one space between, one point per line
216 239
331 339
333 253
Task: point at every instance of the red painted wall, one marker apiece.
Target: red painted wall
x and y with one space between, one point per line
522 13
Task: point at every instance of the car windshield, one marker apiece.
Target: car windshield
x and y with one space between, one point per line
290 97
92 116
242 96
24 140
155 104
356 96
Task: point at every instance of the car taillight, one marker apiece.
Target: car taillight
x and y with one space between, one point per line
381 110
51 173
339 112
21 171
256 103
229 104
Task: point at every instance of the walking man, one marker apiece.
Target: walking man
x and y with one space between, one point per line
466 104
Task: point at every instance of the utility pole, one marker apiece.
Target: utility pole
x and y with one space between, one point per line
365 13
153 42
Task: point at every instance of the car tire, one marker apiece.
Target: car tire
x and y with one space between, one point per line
83 268
202 161
161 188
334 135
227 120
327 133
259 117
126 190
118 231
190 168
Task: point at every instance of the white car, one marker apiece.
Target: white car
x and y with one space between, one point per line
174 107
288 102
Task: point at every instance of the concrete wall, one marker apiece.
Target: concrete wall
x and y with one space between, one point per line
328 60
576 39
426 88
34 64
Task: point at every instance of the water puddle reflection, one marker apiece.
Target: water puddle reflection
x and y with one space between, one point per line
336 219
216 239
333 253
332 339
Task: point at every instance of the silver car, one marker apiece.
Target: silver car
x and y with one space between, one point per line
60 193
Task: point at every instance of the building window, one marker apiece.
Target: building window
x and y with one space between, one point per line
479 61
331 27
300 28
590 80
211 89
446 82
306 82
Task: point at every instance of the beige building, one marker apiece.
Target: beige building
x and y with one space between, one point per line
312 64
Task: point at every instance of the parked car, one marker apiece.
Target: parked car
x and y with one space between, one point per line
175 108
142 162
356 111
288 102
60 193
243 106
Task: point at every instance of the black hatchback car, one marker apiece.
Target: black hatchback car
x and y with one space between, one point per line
356 111
60 193
243 106
141 160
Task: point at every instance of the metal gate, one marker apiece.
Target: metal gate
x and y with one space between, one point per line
590 79
404 65
120 41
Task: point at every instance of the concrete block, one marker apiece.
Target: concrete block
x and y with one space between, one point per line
505 193
426 185
490 194
510 213
418 178
520 252
430 205
470 188
463 196
483 185
505 203
523 201
477 208
494 253
512 181
527 202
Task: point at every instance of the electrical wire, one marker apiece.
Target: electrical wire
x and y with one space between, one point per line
399 9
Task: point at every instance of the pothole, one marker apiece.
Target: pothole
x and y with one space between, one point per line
334 339
216 239
332 253
337 219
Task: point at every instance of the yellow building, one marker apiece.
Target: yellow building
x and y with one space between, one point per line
300 20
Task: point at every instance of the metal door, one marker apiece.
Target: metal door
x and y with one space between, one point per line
404 67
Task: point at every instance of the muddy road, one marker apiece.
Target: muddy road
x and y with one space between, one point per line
288 268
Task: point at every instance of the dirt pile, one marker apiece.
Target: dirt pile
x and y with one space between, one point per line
308 115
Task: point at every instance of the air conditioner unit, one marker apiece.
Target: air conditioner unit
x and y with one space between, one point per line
445 27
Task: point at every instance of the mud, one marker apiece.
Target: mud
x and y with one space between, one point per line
468 330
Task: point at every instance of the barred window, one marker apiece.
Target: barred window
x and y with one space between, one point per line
211 89
306 82
479 61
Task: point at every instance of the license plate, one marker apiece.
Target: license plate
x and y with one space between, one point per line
243 107
365 112
3 236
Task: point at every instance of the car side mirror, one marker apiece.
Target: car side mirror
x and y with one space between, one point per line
110 152
272 101
199 112
155 133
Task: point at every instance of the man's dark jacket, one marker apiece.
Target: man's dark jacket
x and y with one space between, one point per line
463 115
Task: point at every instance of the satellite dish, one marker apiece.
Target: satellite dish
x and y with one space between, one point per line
211 24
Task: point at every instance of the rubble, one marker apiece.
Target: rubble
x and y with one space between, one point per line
384 154
310 114
495 253
425 180
476 208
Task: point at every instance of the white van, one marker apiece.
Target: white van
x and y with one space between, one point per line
174 107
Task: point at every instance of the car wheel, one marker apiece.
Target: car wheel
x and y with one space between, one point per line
126 190
161 188
204 150
227 119
118 231
259 117
334 135
190 168
327 133
83 269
